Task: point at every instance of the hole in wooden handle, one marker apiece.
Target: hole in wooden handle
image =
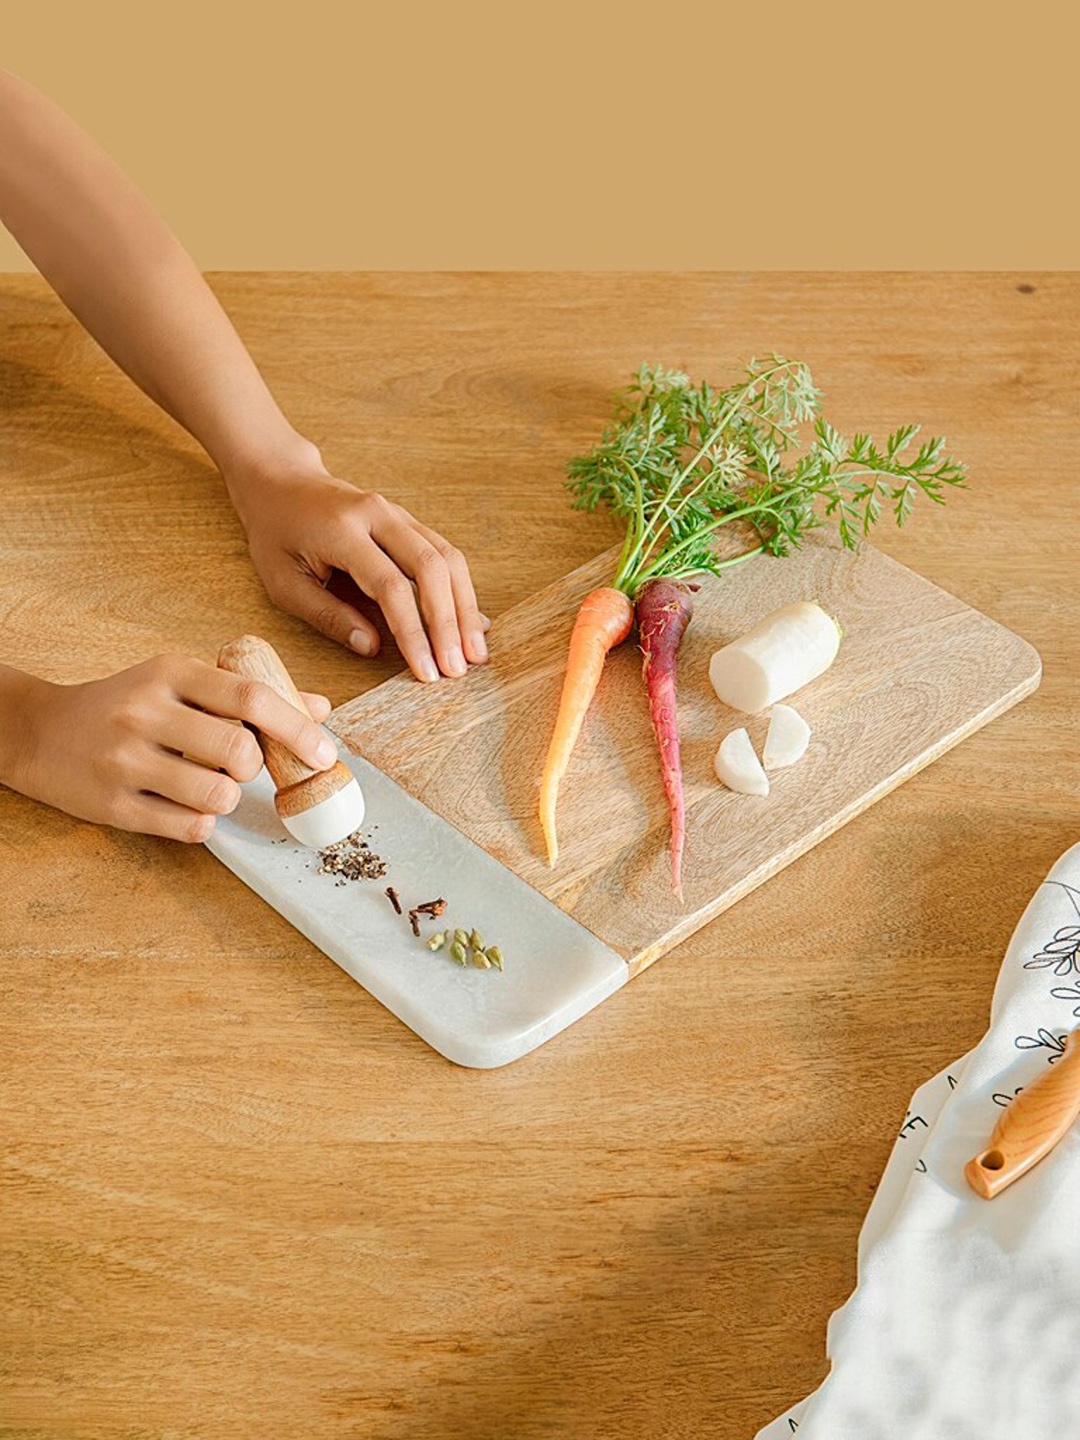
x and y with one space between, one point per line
991 1160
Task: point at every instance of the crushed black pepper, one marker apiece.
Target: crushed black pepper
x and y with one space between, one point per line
351 859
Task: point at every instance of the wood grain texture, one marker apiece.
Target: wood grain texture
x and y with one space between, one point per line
239 1198
254 659
917 672
1035 1120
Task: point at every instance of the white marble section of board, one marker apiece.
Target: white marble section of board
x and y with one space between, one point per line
555 972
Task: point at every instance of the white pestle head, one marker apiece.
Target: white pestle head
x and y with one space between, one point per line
331 820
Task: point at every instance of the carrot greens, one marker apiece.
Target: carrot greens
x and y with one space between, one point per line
677 463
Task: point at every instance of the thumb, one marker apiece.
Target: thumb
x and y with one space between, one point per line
332 617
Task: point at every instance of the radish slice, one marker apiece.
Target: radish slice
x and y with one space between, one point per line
738 767
780 655
788 737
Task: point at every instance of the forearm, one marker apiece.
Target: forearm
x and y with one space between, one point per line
18 695
120 270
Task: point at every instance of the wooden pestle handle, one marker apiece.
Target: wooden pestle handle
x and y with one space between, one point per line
1031 1126
254 659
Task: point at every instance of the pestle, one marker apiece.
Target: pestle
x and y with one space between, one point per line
317 807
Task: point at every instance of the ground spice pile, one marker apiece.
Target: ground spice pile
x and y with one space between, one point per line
351 859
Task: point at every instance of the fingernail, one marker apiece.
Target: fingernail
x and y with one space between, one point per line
455 661
478 645
428 669
326 752
485 622
360 641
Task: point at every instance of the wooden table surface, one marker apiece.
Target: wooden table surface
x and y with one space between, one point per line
241 1199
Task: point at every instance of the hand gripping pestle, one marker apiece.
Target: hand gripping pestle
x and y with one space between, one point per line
317 807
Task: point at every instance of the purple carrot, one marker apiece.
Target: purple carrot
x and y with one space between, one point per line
663 609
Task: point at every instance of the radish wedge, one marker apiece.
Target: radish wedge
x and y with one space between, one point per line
780 655
738 767
788 737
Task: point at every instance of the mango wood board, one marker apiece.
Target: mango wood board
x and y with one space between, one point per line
917 672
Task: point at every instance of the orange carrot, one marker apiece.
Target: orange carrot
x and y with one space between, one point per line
604 619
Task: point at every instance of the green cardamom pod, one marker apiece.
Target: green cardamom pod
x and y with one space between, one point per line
495 955
457 953
437 941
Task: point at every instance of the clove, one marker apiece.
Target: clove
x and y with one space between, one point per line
434 908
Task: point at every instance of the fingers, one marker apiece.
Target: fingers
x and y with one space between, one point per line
471 623
213 742
153 815
223 744
191 785
438 627
223 693
378 576
420 560
181 797
318 705
444 597
302 595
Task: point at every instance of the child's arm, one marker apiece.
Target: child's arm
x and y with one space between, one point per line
117 266
117 750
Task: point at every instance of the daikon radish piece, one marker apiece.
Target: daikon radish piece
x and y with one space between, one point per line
738 767
778 656
788 737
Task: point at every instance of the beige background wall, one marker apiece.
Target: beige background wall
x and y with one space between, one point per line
578 135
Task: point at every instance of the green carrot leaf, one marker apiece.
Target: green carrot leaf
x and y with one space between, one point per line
680 460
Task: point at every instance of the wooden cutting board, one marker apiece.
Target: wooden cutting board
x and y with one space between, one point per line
917 672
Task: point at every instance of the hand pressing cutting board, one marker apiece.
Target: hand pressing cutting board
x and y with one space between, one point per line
450 774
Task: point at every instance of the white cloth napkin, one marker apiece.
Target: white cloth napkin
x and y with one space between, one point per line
965 1321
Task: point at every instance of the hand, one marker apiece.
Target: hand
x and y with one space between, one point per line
303 523
117 751
127 278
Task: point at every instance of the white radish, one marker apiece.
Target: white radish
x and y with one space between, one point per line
788 737
780 655
738 767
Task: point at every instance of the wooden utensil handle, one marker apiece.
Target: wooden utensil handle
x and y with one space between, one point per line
254 659
1031 1126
